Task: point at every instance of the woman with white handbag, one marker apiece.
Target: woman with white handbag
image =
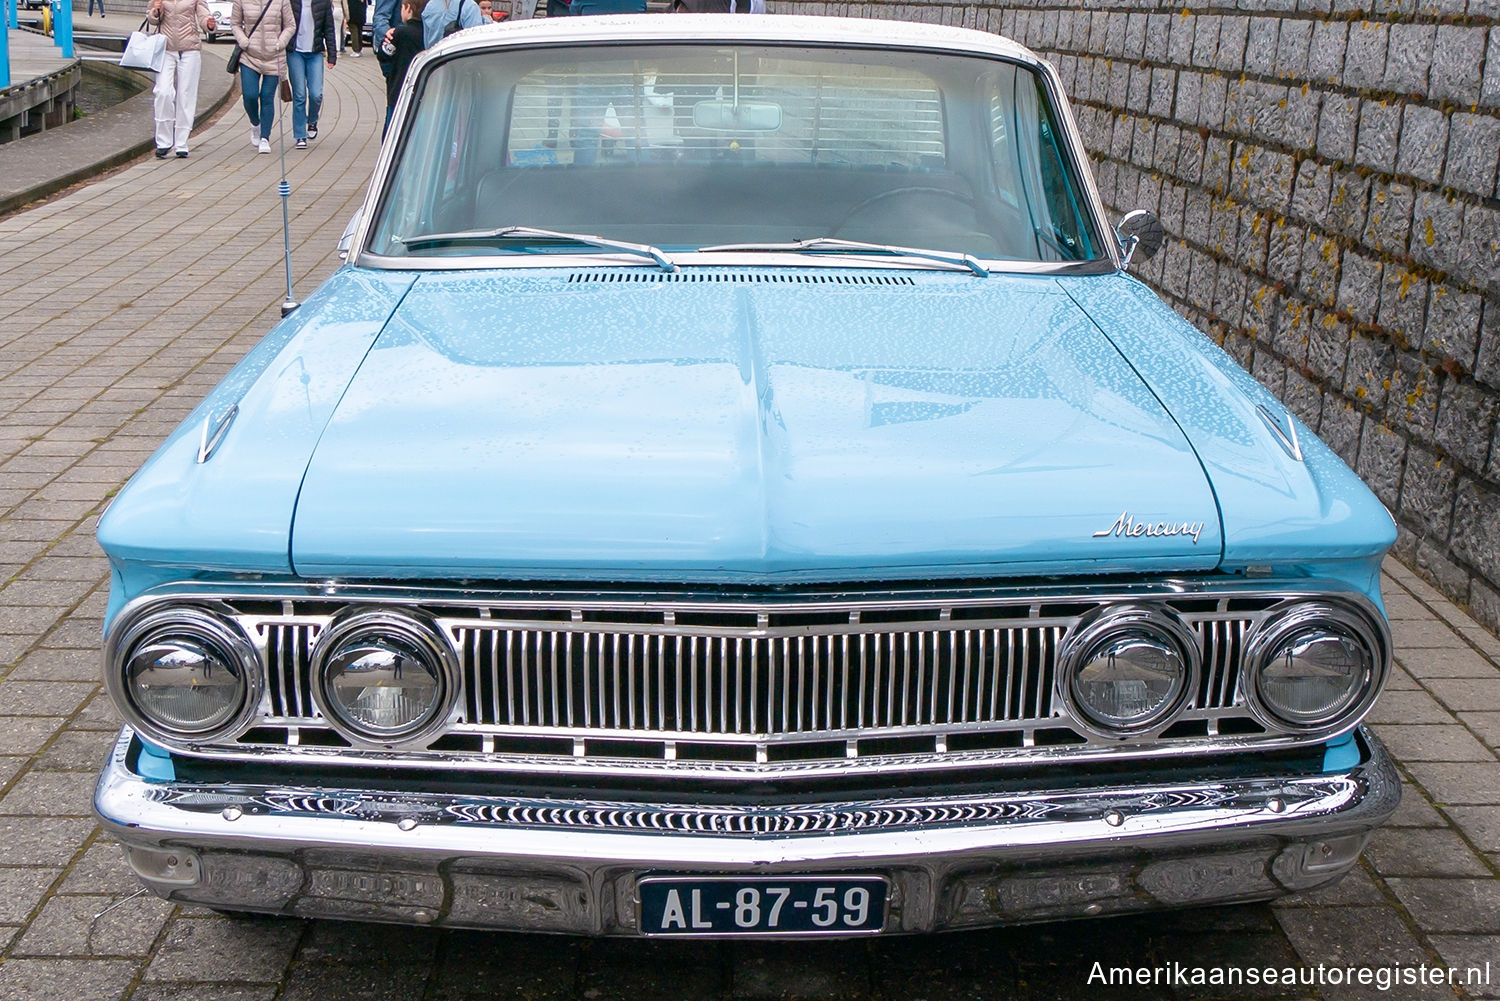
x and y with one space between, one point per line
176 91
262 30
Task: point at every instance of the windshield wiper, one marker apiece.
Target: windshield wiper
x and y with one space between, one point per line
505 233
833 244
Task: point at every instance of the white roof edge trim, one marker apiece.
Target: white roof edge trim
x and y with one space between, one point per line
781 29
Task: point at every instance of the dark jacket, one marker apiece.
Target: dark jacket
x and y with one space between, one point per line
405 44
324 39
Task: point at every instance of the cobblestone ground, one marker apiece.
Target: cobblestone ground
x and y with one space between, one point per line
122 302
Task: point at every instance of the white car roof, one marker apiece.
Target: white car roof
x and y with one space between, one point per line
735 28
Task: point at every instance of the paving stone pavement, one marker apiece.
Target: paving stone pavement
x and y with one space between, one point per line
125 300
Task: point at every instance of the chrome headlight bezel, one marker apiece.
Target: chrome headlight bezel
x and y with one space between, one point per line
416 632
1116 622
197 624
1278 629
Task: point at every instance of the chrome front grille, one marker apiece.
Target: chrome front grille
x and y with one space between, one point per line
703 683
747 686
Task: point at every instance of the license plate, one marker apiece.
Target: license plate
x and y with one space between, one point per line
738 905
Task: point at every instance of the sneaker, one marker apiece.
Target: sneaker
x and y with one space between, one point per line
182 154
255 135
356 54
264 146
162 151
312 130
302 144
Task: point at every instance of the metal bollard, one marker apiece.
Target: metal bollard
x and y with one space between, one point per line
62 26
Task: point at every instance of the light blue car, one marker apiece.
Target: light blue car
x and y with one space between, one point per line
735 488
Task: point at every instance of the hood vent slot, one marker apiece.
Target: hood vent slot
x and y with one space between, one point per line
621 277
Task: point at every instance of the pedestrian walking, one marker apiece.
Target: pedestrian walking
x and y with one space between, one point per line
312 43
356 26
176 91
263 29
91 8
340 15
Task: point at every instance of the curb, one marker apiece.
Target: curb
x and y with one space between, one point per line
59 158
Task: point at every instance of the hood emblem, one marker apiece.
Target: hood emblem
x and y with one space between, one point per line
1127 527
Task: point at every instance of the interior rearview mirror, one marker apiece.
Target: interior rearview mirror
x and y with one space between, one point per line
728 116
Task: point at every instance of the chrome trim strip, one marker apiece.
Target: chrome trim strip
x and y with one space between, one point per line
214 432
746 601
673 765
1285 437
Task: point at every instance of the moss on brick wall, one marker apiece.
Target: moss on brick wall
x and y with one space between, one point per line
1327 174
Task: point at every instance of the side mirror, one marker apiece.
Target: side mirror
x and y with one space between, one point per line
1140 232
347 239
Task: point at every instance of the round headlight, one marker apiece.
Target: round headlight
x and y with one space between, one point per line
185 674
1129 670
384 678
1315 667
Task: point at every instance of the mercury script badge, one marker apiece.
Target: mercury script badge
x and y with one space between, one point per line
1126 525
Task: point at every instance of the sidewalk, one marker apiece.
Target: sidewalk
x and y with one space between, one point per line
40 165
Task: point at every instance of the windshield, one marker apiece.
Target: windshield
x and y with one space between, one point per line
686 146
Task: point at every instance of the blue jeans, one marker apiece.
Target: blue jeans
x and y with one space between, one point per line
306 72
259 93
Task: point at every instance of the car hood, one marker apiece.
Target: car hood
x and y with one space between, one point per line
730 425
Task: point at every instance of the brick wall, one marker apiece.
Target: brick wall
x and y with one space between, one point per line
1326 171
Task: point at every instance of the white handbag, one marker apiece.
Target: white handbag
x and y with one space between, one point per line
145 51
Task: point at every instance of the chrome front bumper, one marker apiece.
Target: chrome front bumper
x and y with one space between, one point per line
537 864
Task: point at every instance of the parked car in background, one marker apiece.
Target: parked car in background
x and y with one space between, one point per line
220 10
735 488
